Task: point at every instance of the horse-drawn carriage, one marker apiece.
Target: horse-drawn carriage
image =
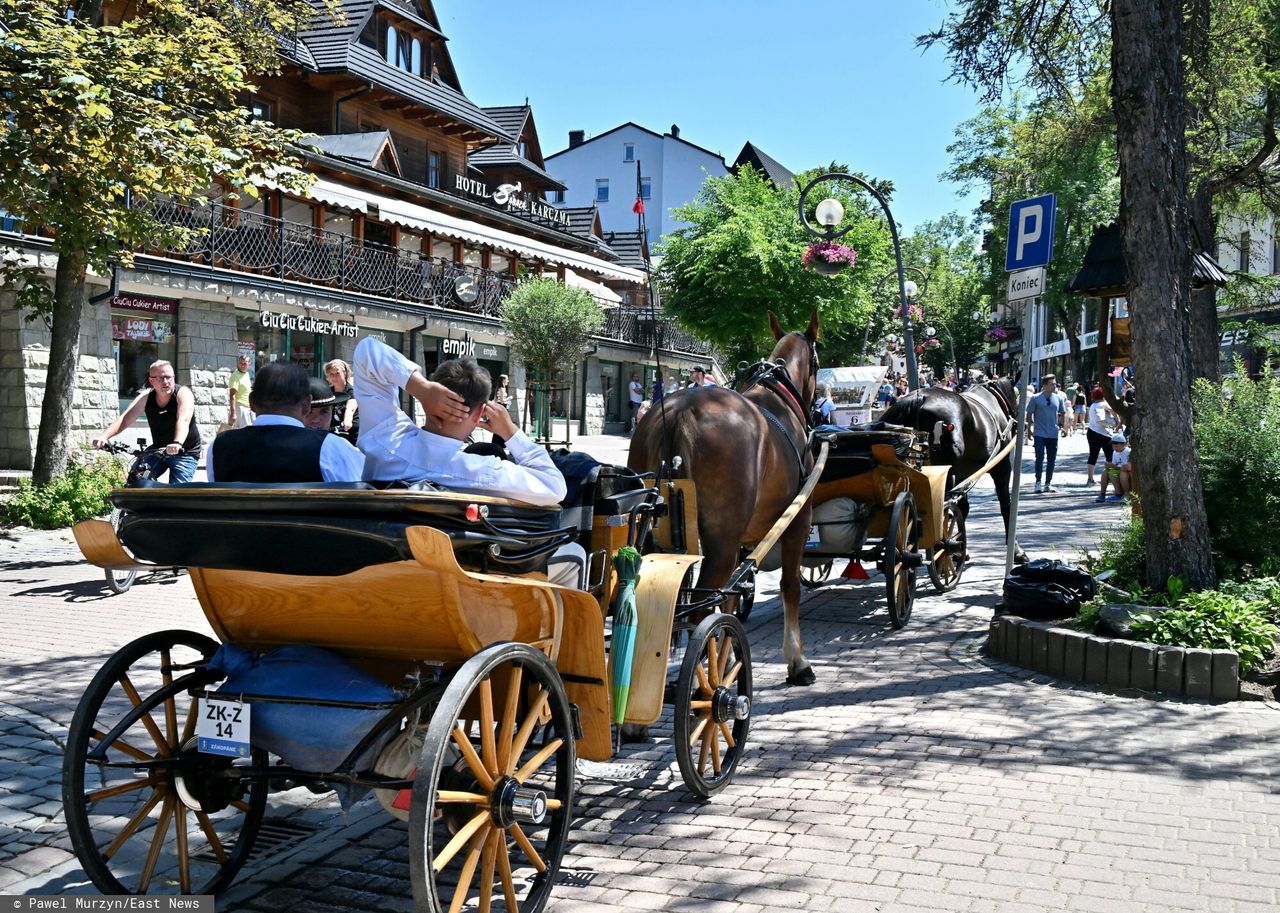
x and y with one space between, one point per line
400 641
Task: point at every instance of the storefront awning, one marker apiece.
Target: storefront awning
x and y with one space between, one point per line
606 296
420 218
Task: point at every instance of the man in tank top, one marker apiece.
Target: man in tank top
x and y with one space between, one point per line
169 408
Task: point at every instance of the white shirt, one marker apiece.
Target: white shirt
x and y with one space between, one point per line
637 392
396 448
1120 457
1097 422
339 459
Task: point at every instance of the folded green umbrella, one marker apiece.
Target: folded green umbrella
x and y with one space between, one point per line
621 653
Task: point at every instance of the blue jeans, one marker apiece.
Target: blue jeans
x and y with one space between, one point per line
181 468
1046 445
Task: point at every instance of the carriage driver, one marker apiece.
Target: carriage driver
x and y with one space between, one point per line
396 448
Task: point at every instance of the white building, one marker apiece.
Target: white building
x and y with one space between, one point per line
602 170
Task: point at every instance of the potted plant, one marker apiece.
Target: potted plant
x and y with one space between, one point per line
828 257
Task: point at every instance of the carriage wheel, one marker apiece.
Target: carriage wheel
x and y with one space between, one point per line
713 704
901 559
747 601
119 581
491 806
146 812
952 551
812 575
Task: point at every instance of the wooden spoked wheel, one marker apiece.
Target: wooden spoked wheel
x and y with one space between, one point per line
713 704
951 552
813 575
493 795
119 581
901 559
148 814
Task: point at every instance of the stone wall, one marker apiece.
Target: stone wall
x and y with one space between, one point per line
593 416
206 357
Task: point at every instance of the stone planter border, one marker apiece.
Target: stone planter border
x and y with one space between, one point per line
1078 657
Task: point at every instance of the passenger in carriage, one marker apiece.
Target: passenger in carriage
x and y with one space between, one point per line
396 448
278 446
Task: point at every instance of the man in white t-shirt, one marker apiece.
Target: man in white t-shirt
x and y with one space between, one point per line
1117 469
636 392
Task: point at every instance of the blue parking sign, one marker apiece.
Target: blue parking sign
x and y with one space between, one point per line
1030 233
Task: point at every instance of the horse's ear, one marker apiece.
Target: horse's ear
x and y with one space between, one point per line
812 332
774 327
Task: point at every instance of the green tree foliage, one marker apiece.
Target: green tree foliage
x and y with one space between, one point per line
740 258
549 325
103 115
78 494
947 250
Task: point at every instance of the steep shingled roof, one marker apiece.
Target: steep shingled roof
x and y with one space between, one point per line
1103 268
753 155
630 246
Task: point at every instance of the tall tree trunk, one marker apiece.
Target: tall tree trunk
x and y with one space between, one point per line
1148 94
1205 352
52 444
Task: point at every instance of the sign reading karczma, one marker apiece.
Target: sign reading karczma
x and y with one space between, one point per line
306 324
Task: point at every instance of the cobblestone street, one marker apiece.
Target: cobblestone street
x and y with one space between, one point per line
916 775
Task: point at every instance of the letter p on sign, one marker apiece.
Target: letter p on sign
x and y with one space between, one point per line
1030 233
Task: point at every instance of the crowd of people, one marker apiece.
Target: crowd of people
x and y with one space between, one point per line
1054 414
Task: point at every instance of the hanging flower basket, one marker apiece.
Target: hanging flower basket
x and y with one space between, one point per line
997 334
916 312
828 258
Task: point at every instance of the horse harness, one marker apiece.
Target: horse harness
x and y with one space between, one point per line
1003 423
773 376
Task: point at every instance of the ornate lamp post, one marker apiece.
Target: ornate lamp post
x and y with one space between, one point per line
829 214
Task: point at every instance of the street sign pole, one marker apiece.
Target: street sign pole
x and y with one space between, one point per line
1015 481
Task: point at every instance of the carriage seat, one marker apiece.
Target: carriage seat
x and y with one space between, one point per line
324 529
596 489
850 453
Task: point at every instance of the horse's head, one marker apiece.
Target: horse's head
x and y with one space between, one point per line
799 353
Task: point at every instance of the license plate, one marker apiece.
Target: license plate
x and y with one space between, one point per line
223 728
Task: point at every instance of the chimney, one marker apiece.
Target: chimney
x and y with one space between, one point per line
675 131
576 137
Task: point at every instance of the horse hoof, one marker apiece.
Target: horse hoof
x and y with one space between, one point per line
804 677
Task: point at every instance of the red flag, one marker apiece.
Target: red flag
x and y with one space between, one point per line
638 208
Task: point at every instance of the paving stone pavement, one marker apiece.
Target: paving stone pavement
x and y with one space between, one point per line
915 775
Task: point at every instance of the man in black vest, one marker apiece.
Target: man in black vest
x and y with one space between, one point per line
278 447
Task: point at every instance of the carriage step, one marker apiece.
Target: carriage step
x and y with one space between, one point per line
613 771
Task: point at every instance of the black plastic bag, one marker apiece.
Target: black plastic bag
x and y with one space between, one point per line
1046 589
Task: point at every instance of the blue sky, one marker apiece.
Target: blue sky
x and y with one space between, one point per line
728 73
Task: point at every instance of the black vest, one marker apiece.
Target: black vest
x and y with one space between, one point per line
163 422
269 453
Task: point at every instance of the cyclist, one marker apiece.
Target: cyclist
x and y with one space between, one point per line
169 408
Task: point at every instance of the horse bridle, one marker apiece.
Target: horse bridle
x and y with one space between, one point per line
774 377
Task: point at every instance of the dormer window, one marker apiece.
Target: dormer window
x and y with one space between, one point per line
399 47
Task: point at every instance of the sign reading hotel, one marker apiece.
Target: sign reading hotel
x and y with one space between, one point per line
511 197
307 324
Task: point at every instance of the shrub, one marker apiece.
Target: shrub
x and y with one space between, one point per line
1237 426
77 495
1215 620
1122 550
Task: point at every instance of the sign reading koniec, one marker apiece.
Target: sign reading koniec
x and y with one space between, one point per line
306 324
1028 283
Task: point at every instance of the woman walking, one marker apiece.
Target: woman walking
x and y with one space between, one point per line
1099 426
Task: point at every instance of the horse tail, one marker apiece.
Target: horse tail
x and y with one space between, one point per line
682 442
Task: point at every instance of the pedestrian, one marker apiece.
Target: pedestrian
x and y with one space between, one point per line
1099 426
170 410
636 396
658 391
822 406
239 415
1079 405
1069 423
1045 413
1117 469
346 411
501 395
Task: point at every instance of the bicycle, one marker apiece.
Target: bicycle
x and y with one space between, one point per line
140 470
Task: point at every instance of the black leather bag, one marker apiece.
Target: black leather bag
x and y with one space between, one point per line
1046 589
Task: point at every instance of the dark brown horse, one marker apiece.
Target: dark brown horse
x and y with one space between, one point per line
747 455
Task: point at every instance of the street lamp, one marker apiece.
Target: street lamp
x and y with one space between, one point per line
829 213
913 292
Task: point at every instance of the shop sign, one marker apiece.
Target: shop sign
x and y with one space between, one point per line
458 348
138 329
145 303
307 324
512 198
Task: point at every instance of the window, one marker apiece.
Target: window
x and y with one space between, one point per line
415 56
1275 254
433 169
628 152
1244 251
602 190
259 109
520 149
558 197
389 46
645 189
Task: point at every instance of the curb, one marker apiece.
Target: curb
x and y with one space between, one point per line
1075 656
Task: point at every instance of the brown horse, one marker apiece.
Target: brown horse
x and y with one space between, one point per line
747 454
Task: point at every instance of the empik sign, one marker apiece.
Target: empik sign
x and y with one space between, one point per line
1030 233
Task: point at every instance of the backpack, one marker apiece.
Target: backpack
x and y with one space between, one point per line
1046 589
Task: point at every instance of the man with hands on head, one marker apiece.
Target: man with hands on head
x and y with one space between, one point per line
169 408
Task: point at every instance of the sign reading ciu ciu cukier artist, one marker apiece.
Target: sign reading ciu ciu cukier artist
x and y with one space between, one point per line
307 324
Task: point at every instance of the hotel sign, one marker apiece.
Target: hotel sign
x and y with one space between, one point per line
306 324
511 198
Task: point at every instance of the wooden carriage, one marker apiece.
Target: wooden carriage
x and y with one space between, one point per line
904 514
488 682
